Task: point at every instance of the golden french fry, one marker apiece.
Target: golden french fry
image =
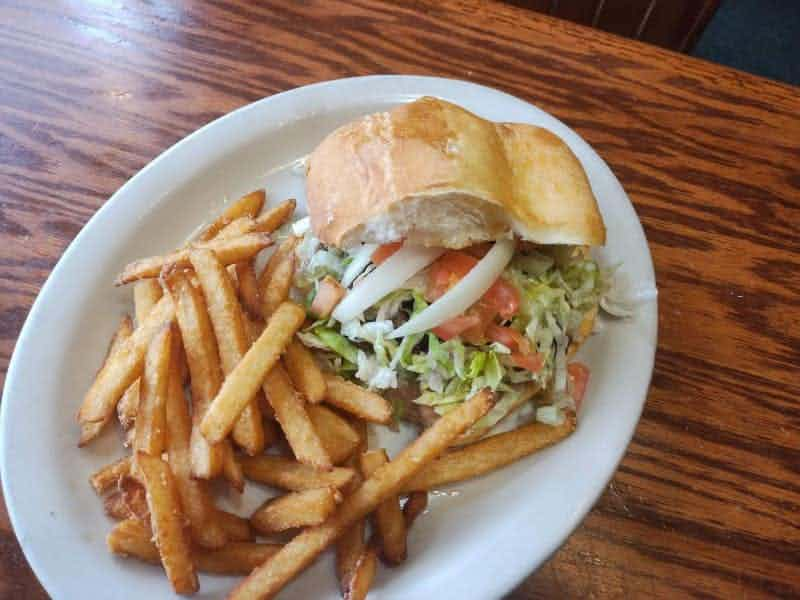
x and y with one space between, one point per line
275 217
231 469
248 288
289 474
120 371
295 509
237 558
202 359
248 205
128 405
166 519
242 383
229 251
239 227
133 538
389 522
357 585
357 400
133 497
116 507
350 546
151 428
232 339
304 371
415 505
146 294
506 406
123 332
268 579
293 419
489 454
276 279
338 437
236 528
205 527
109 476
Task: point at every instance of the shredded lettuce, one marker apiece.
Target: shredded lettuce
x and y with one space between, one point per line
338 343
557 286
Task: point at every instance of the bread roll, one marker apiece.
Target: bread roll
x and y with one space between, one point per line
435 174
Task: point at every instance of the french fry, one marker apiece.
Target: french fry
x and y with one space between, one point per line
229 251
248 205
120 371
231 469
339 439
239 227
109 476
357 400
490 454
506 406
350 546
242 383
146 294
127 502
237 558
205 373
360 580
389 522
275 217
204 525
295 509
276 279
294 421
415 505
132 538
269 578
289 474
166 519
304 371
248 288
116 507
232 339
123 332
128 405
236 528
151 430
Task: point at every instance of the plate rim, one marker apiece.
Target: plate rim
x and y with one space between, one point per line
500 583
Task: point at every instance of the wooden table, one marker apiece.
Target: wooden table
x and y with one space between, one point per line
706 502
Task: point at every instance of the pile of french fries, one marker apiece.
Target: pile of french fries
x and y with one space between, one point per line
212 382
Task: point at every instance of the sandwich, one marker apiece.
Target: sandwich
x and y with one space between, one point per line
444 253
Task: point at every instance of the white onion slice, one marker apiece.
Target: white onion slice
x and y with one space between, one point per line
463 294
301 227
361 259
386 278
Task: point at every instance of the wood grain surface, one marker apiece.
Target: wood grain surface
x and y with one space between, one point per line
706 502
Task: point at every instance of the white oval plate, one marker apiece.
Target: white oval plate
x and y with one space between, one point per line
476 541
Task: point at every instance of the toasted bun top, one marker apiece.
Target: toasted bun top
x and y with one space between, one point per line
435 174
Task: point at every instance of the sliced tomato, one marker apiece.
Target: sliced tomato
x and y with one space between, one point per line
503 296
531 362
453 266
456 326
510 338
479 250
578 379
446 271
385 251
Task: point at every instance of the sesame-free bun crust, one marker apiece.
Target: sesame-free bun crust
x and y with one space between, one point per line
435 174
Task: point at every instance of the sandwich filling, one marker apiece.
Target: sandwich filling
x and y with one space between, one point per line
516 337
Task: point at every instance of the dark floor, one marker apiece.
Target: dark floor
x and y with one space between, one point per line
758 36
